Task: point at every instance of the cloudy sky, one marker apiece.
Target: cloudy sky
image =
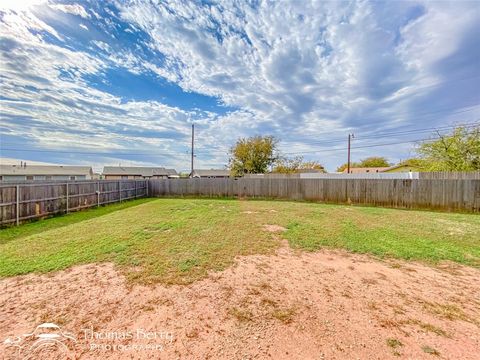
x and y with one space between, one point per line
109 82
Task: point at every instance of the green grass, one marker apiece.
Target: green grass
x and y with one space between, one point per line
36 227
181 240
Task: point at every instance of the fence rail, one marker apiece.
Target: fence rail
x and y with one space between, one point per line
25 201
450 195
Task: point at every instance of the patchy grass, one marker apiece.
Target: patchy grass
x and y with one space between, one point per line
429 327
36 227
430 350
285 315
177 241
394 343
242 315
409 235
449 312
164 240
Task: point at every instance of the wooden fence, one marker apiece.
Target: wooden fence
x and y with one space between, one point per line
451 195
21 201
453 175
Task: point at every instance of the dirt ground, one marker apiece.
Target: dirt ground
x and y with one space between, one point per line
323 305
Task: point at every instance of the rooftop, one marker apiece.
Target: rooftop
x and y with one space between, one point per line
45 170
138 170
361 170
212 172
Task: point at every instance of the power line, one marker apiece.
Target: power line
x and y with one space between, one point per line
88 152
169 153
400 133
359 147
375 135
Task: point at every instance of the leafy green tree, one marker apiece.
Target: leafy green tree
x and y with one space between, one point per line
459 151
294 165
253 155
415 162
373 161
344 166
287 165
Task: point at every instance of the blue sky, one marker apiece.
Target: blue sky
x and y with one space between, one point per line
120 82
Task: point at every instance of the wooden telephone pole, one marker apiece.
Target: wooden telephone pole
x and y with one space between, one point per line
193 138
350 137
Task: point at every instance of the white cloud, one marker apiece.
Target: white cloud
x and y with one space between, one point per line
303 71
73 9
303 67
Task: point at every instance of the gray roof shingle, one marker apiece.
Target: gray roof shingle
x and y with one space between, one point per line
138 171
45 170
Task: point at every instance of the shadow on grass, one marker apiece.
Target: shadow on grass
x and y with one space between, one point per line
37 226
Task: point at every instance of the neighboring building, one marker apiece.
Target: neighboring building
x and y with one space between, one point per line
25 172
402 168
212 173
360 170
390 169
124 172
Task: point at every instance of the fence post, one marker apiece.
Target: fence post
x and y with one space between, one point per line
67 195
135 189
17 210
98 193
119 192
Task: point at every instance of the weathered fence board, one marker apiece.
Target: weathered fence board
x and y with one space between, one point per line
24 201
445 194
452 175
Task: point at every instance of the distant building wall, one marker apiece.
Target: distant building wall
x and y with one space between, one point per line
41 177
403 168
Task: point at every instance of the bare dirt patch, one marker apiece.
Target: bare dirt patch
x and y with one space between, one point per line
329 304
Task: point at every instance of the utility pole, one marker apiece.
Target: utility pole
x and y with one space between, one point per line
350 137
193 138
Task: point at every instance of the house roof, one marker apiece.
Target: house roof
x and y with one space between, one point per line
138 171
212 172
361 170
45 170
399 166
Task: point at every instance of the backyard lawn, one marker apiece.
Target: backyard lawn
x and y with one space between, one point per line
178 241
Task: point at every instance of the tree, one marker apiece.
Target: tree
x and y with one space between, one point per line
420 164
344 166
373 161
288 165
459 151
294 165
253 155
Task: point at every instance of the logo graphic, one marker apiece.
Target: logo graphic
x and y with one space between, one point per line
46 341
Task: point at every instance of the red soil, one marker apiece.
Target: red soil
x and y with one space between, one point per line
324 305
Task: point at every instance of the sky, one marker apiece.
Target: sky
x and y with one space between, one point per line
121 82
